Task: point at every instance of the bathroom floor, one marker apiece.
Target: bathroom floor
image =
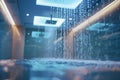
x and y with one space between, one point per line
59 69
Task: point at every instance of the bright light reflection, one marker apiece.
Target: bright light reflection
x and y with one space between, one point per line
6 12
7 62
71 4
41 21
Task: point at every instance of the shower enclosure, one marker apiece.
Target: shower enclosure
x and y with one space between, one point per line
60 40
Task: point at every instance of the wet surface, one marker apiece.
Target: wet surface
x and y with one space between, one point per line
59 69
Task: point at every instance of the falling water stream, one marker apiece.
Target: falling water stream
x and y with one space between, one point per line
86 55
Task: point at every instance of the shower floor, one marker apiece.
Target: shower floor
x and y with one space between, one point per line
59 69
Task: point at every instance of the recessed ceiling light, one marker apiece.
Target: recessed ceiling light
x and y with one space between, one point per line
27 14
46 21
71 4
28 33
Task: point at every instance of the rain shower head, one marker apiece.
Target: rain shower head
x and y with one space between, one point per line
71 4
46 21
